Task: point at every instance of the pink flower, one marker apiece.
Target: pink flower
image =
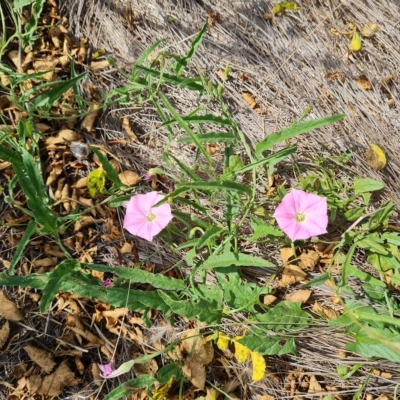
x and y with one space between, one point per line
143 219
107 370
302 215
107 283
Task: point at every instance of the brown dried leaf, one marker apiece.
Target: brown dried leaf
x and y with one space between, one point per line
4 334
8 309
150 367
54 384
95 370
63 137
126 126
129 178
292 274
335 75
88 121
249 99
41 357
369 29
327 311
363 82
99 65
300 296
75 325
286 254
197 347
269 299
195 372
314 387
126 248
309 260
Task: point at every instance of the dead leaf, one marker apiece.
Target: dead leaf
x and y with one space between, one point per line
148 368
129 178
363 82
54 384
126 126
41 357
76 326
327 311
335 75
292 274
196 346
314 387
8 309
369 29
300 296
286 254
90 118
96 66
309 260
4 333
269 299
249 99
212 149
126 248
195 372
62 138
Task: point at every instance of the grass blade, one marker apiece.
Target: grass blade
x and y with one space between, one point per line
215 186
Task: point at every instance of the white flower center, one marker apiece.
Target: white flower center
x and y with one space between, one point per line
151 217
300 217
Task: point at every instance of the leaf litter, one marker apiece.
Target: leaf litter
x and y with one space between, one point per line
62 165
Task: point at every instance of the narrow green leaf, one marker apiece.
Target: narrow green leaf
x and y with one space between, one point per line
108 168
124 390
212 137
238 259
346 266
215 185
295 130
262 228
173 79
35 281
272 159
372 245
47 99
189 172
55 279
200 119
208 235
30 229
367 185
140 276
192 51
185 126
354 271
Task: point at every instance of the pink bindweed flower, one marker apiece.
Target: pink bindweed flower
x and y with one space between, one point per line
302 215
143 219
107 370
107 283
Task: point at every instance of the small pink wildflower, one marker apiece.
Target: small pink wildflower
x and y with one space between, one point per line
107 282
107 370
143 219
302 215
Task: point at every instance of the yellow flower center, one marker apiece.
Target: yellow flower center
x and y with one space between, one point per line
300 217
151 217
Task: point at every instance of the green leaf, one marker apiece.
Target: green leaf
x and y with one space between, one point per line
371 243
168 371
262 228
212 137
269 345
29 231
209 235
367 185
192 51
237 259
96 182
215 186
344 372
354 213
272 160
55 280
200 119
204 310
192 84
186 170
284 316
136 275
47 99
346 266
295 130
378 343
142 382
35 281
185 126
108 168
